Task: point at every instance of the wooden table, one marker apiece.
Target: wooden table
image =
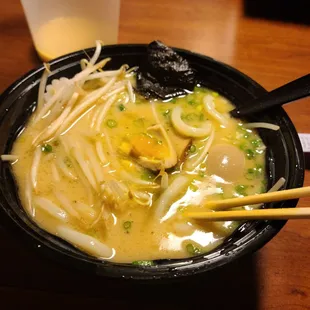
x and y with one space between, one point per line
272 53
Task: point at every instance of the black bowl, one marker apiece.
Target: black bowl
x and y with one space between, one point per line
284 159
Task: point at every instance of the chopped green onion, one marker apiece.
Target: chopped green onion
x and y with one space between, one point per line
253 173
243 146
193 188
166 113
250 174
256 143
250 154
201 117
241 189
246 135
46 148
192 148
192 249
215 94
201 174
111 123
173 100
143 263
127 225
121 107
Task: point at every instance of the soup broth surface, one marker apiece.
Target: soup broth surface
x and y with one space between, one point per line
114 182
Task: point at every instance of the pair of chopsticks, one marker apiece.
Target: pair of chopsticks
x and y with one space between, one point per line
262 214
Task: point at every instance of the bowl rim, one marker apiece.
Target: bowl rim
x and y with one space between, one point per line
169 271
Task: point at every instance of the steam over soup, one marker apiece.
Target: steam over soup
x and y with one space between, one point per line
111 172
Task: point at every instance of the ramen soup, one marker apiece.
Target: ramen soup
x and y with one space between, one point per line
111 172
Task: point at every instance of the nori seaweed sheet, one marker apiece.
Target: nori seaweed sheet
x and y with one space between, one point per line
164 74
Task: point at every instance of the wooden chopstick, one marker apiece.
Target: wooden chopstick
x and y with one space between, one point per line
262 214
261 198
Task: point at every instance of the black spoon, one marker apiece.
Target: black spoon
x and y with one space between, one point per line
294 90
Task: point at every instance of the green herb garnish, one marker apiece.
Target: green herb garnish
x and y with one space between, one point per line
192 249
193 188
250 174
46 148
127 226
256 143
243 146
121 107
143 263
241 189
192 148
201 174
111 123
254 173
166 113
250 154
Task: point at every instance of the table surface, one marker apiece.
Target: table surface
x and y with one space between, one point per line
272 53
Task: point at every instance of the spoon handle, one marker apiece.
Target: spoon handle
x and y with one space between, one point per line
294 90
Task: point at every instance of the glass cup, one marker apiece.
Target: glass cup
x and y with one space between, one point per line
59 27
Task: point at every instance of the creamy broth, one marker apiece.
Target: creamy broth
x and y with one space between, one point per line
122 174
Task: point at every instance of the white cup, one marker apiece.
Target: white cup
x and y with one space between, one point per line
59 27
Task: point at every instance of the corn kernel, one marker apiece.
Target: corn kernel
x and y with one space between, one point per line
125 148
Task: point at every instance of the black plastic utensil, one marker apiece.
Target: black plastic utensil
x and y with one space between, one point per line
292 91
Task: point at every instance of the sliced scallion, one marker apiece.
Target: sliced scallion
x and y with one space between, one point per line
192 249
46 148
111 123
192 148
143 263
